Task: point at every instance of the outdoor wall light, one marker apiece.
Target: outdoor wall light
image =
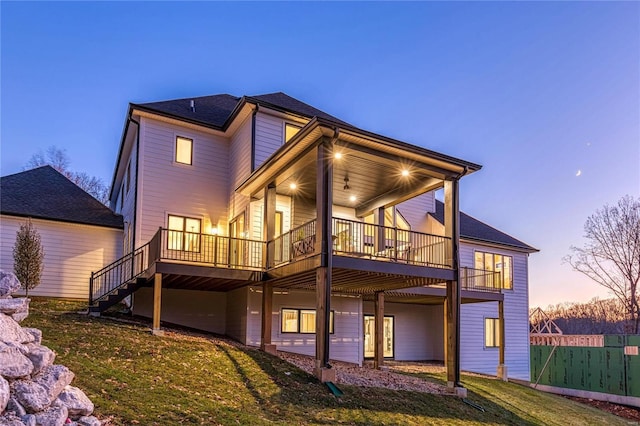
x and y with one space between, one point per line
337 155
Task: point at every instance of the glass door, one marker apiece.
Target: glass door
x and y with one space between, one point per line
236 246
369 336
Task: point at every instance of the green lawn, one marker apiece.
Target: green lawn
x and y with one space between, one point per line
136 378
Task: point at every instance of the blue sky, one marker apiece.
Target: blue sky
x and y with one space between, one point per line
532 91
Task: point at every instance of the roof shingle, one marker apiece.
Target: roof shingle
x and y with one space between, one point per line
215 110
472 228
45 193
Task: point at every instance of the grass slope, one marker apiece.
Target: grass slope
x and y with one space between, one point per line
136 378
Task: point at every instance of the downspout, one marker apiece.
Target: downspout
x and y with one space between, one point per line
327 255
253 138
135 195
456 264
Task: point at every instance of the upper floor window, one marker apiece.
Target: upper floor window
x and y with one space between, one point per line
496 263
290 131
491 332
184 233
184 150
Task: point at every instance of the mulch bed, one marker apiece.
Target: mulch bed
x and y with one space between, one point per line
631 413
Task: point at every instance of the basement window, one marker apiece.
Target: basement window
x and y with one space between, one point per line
301 321
184 150
491 332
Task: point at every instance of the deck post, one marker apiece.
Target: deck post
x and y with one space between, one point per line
157 304
269 220
324 201
502 368
267 318
381 237
378 360
452 231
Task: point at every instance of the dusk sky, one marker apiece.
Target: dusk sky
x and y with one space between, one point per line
546 96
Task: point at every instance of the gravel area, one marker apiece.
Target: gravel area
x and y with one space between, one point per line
351 374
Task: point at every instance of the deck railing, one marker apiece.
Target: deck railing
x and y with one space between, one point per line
481 280
189 247
358 239
212 250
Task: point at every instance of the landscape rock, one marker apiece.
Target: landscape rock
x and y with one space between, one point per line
89 421
10 419
13 364
37 334
37 395
10 331
29 420
19 316
12 306
4 393
76 402
41 357
54 416
14 406
9 284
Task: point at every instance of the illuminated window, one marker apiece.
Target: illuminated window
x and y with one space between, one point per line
491 332
290 131
183 234
184 150
290 322
301 321
496 263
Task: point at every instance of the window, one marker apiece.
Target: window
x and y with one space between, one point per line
491 332
184 150
184 233
301 321
290 131
496 263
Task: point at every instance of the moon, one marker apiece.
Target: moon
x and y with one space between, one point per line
578 173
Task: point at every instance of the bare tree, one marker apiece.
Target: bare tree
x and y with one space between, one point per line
28 256
58 159
611 255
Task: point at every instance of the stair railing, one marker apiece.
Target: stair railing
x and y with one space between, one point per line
130 266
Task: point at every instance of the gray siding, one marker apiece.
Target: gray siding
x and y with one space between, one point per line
202 310
199 190
71 253
236 323
239 166
474 355
415 211
269 136
346 342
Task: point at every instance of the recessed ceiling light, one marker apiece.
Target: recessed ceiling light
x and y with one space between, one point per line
405 172
293 185
352 198
338 155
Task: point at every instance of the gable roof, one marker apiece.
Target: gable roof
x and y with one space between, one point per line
45 193
217 110
472 229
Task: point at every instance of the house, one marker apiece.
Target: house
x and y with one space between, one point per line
283 227
78 233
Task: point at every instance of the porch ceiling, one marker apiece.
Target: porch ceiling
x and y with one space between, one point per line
435 295
373 180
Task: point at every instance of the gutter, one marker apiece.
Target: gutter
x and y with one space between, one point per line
253 138
135 194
